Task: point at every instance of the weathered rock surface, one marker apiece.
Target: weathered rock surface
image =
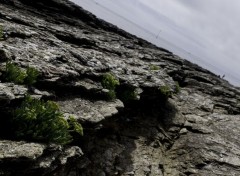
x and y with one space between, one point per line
9 91
194 132
23 158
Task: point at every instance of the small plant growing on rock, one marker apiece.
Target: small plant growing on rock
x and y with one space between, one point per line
110 82
42 121
165 91
111 95
1 33
154 67
177 87
31 77
128 94
74 126
15 74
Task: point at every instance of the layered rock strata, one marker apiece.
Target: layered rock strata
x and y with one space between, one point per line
195 131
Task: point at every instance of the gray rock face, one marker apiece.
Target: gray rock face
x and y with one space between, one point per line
9 91
193 132
92 112
24 158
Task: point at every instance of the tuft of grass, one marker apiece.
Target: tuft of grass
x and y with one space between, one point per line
110 82
36 120
165 91
15 74
154 67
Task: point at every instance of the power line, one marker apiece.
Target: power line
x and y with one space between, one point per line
157 36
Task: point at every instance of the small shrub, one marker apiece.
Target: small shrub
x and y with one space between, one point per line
74 126
154 67
111 95
31 77
42 121
177 87
165 90
15 74
110 82
128 94
1 33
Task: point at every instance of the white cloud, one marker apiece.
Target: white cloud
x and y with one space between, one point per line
209 29
217 22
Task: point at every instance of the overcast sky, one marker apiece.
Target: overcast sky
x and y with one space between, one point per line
206 32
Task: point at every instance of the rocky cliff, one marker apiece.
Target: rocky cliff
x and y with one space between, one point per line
169 118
